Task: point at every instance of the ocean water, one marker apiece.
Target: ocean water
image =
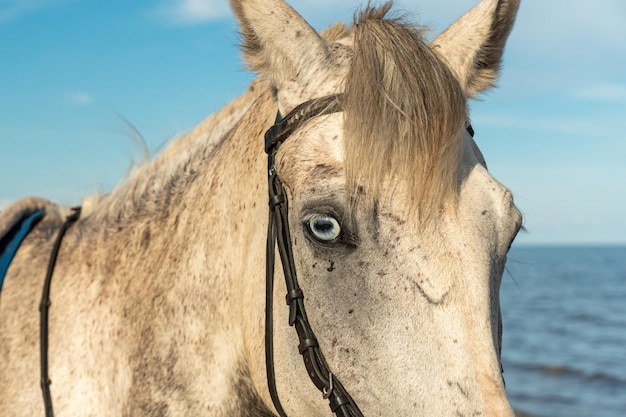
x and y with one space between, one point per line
564 317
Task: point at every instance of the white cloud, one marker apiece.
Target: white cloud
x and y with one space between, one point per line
555 124
192 11
12 9
607 92
79 98
586 219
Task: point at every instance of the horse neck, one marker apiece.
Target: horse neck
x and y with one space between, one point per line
182 258
192 220
201 159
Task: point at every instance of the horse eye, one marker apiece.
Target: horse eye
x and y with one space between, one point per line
324 228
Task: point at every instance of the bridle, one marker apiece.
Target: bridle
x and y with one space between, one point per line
278 233
341 403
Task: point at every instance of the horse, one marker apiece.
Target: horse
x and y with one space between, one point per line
166 296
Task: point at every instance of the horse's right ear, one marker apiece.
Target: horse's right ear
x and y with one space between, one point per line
277 42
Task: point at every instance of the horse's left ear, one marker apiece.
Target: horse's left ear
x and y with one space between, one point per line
473 45
277 42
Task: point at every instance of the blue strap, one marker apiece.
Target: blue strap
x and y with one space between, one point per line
8 252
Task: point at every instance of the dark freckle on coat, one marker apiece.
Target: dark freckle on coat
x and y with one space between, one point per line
325 170
462 390
145 238
375 221
331 268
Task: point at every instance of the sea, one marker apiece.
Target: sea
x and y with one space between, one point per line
564 318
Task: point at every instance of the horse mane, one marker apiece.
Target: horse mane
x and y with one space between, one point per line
155 181
404 115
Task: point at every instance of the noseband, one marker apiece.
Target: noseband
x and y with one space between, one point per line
341 403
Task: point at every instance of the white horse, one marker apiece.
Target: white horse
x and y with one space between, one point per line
399 237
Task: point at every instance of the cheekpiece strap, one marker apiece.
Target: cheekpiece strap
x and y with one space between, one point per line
340 402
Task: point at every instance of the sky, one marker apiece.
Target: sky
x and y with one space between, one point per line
80 78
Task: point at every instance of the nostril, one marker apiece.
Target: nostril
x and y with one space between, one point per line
513 216
518 218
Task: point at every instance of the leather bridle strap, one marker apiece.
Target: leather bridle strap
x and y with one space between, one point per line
341 403
43 311
284 127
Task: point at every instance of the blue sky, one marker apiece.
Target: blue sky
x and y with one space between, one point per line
71 71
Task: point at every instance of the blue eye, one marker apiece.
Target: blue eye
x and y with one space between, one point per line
324 228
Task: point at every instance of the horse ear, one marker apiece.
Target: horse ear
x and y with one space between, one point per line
276 41
473 45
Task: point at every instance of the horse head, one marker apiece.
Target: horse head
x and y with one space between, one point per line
399 232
